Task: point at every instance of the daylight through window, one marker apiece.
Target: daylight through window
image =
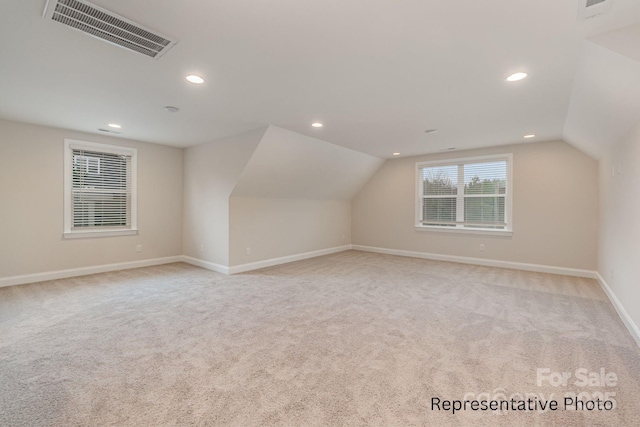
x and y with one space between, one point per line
473 193
99 189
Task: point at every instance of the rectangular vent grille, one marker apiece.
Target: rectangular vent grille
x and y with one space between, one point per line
107 26
594 2
593 8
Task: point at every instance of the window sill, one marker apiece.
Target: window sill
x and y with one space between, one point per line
478 231
98 233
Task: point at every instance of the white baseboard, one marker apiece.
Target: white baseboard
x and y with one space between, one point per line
83 271
63 274
285 259
206 264
481 261
626 319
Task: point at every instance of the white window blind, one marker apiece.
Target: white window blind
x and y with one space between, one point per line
99 189
472 193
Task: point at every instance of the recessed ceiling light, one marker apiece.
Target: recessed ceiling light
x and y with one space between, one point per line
114 125
171 109
516 76
317 125
396 154
529 136
195 79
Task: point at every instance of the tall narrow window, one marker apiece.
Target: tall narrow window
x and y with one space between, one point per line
100 190
465 194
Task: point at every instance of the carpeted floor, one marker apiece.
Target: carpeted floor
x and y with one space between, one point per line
350 339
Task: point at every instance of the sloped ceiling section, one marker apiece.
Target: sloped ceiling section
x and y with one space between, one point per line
289 165
605 102
625 40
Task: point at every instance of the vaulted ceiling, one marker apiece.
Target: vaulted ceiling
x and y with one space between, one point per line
376 73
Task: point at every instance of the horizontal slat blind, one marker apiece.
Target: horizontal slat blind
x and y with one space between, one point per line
101 189
440 188
466 194
485 186
440 180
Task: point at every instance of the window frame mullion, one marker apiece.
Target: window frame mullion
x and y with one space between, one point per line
460 197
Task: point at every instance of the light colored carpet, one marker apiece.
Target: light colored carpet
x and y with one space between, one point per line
349 339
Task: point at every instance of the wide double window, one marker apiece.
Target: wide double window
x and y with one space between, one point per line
470 194
100 190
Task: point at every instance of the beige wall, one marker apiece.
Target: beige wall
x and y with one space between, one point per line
294 197
274 228
272 190
211 171
555 207
619 242
31 207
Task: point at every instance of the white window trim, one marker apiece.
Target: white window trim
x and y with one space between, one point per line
508 231
68 232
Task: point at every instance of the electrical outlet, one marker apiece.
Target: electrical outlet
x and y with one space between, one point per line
139 248
482 247
248 251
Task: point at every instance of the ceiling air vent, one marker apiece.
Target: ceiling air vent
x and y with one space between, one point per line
108 26
591 8
108 131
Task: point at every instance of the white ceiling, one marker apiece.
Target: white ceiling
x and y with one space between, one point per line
377 73
286 165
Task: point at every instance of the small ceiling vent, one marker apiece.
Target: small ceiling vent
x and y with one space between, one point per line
97 22
591 8
108 131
